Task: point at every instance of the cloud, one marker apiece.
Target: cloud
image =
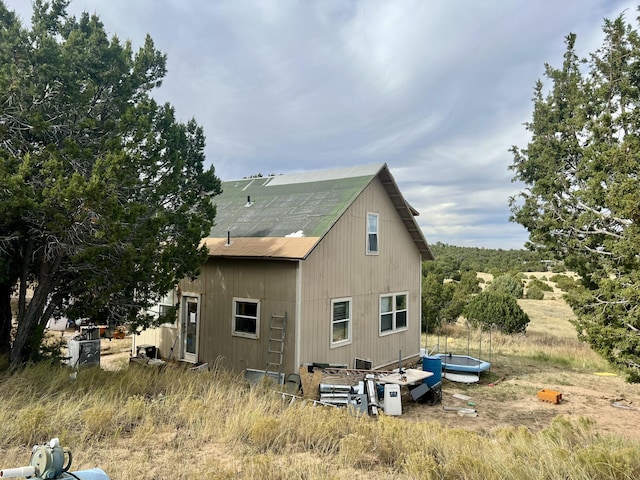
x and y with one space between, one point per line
438 90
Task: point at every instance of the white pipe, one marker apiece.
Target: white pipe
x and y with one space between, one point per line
29 471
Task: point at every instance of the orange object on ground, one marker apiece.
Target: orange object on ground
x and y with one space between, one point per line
550 396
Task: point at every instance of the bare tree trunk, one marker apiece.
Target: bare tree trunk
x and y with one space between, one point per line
5 318
30 317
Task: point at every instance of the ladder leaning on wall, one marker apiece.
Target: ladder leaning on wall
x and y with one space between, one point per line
275 345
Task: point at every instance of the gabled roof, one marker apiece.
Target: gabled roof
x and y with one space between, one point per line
276 211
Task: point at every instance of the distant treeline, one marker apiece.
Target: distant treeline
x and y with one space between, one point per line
475 259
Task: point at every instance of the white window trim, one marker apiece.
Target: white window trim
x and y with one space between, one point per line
394 329
233 318
377 232
348 340
184 355
170 299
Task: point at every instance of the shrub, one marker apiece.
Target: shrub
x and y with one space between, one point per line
507 284
497 308
564 283
495 272
534 293
545 287
559 268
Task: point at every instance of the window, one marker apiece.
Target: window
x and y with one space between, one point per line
393 312
169 314
340 322
246 317
372 233
168 308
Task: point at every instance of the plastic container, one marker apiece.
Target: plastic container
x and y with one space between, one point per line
432 364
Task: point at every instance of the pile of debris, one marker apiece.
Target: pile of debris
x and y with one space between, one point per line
366 391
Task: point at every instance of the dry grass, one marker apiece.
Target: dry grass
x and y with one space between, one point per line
146 423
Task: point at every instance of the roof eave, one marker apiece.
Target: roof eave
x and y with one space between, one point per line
406 211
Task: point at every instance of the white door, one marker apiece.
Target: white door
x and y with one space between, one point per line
189 328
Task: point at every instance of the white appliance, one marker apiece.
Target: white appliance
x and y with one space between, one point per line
392 399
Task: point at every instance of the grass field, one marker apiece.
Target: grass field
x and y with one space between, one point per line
143 423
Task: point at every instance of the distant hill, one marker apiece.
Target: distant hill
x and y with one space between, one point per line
486 259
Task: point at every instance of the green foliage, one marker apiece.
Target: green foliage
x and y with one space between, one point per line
581 202
104 197
507 284
432 301
501 309
540 284
564 283
534 293
443 299
495 261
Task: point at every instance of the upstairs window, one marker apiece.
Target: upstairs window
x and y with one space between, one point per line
340 322
393 312
246 317
372 233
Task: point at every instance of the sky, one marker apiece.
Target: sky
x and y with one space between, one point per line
439 90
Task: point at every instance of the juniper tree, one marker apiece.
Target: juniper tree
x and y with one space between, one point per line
104 196
581 200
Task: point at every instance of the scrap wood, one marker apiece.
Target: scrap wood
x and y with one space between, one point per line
460 396
310 383
497 382
460 410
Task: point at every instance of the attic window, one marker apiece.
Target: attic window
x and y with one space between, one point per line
372 233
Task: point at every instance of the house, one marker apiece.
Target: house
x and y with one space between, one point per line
338 253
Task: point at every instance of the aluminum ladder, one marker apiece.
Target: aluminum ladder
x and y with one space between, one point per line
275 345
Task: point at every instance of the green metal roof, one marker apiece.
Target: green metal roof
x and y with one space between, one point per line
303 204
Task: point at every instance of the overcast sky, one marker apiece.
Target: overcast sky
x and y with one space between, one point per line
437 89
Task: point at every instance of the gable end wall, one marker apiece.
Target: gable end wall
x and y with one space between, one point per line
339 267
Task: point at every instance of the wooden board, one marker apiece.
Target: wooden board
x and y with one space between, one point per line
409 376
310 383
461 377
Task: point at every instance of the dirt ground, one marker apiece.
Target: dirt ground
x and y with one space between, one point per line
503 399
612 405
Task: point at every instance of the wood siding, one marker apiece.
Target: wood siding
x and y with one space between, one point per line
271 282
339 267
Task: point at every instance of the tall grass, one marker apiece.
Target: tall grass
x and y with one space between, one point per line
142 423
